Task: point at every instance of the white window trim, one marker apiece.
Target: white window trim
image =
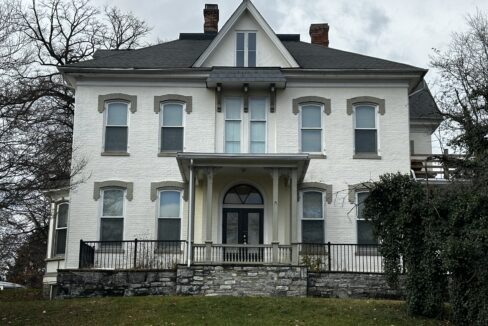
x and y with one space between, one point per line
322 128
124 210
105 121
158 207
246 47
300 212
250 120
57 228
161 117
377 127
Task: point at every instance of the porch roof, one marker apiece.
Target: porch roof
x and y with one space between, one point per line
245 160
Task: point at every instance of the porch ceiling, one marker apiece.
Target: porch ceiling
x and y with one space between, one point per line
291 161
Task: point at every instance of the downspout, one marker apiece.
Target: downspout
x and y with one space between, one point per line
190 213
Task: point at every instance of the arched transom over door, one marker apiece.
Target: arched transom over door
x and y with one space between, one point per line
242 221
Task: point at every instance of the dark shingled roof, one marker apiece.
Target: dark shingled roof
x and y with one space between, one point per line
246 75
184 52
422 104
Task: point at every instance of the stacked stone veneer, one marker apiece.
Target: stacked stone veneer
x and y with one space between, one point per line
242 281
223 281
89 283
351 285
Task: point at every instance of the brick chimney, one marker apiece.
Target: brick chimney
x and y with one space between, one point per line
211 16
319 34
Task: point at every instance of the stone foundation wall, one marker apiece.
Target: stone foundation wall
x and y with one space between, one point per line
90 283
242 281
223 281
351 285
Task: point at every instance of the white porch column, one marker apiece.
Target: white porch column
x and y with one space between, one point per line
275 204
191 193
293 207
209 195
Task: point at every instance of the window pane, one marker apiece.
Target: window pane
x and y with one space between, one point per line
60 242
232 227
240 59
311 116
171 139
365 141
258 131
361 198
117 114
312 205
365 117
251 58
233 131
240 41
365 233
313 231
113 202
116 139
232 108
232 147
253 228
112 229
173 115
169 229
258 147
63 215
169 204
257 108
251 45
311 140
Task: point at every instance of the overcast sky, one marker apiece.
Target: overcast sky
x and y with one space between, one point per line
404 31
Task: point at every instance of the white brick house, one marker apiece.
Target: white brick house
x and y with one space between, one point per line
232 139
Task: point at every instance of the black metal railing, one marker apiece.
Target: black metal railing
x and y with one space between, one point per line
160 255
337 257
132 254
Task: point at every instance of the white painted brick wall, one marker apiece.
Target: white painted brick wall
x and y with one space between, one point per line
143 166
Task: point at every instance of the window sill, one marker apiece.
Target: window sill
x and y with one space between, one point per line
366 157
317 156
167 154
115 154
55 258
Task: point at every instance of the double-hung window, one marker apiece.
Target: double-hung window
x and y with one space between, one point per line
311 128
171 121
116 127
112 219
61 229
366 135
257 125
233 121
246 49
364 228
169 216
312 217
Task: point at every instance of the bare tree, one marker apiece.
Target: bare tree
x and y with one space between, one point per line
37 106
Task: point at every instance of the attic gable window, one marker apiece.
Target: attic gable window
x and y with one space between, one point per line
246 49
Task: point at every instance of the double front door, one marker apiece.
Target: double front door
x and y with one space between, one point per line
242 226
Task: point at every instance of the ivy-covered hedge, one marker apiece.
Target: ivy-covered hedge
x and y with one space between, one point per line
439 233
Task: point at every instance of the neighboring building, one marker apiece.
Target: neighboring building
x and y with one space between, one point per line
259 140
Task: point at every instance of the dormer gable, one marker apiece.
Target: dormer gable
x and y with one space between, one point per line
246 40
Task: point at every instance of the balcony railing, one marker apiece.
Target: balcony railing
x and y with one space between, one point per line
161 255
434 166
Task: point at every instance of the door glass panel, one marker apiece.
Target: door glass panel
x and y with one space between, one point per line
253 228
232 227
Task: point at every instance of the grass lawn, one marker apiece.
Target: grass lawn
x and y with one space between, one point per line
18 309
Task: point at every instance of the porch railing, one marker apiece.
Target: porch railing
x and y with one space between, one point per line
132 254
151 254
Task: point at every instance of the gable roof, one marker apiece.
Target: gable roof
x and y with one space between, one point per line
246 6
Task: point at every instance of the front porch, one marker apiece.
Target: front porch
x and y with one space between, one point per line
167 255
